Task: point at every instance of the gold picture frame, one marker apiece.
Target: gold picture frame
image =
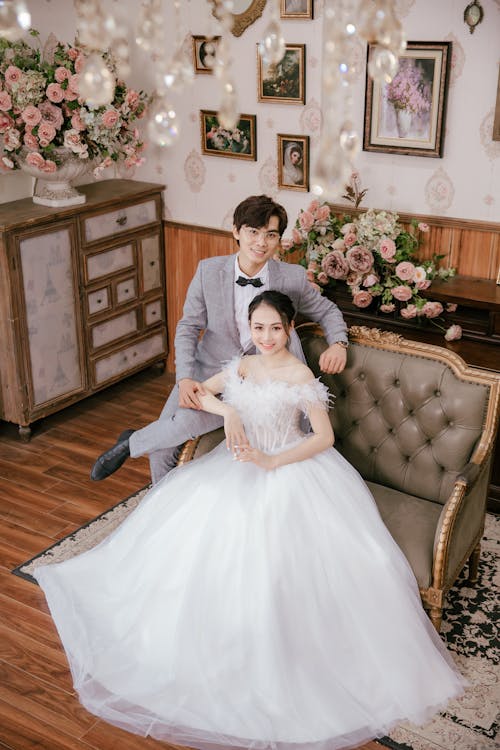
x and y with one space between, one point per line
239 143
296 9
407 116
199 46
284 83
246 12
293 162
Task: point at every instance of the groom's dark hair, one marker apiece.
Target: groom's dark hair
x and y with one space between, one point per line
256 211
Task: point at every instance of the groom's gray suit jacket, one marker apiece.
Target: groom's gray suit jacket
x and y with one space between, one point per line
207 336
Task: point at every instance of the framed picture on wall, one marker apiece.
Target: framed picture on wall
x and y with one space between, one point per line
291 9
239 143
407 116
286 81
204 50
293 162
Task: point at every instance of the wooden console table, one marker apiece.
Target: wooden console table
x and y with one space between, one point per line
478 314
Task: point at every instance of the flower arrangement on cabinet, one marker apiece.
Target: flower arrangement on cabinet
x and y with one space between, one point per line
41 111
375 257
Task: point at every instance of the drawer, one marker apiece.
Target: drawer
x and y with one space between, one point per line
108 262
113 329
153 312
98 301
123 219
129 358
125 290
149 255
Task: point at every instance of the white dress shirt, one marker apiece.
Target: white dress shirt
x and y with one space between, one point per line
243 295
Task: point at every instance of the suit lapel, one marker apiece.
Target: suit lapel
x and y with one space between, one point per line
226 290
276 280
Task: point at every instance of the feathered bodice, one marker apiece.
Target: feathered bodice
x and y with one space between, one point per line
271 410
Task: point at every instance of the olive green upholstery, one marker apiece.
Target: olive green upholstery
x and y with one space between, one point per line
419 426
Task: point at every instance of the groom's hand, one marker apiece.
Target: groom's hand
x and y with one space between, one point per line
189 390
333 359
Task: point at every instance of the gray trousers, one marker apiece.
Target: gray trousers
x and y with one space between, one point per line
162 439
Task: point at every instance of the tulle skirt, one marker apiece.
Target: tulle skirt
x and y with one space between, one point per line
242 608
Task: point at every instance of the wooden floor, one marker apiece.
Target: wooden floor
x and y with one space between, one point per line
46 493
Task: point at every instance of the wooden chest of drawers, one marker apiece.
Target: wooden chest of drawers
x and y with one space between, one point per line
82 296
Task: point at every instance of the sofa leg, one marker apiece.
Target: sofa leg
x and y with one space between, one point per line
436 615
474 563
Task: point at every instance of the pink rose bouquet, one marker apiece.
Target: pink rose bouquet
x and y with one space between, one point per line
41 111
375 257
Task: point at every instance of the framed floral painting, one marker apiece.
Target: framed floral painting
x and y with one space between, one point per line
407 116
239 143
293 162
291 9
286 81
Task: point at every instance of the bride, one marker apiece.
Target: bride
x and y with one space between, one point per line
254 599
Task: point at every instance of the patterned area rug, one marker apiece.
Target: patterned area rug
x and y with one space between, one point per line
469 630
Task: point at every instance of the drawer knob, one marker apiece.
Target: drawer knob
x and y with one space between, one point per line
126 291
153 312
134 354
99 301
122 220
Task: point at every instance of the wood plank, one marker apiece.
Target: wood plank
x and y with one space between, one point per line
35 623
48 664
30 478
108 737
31 518
29 541
27 498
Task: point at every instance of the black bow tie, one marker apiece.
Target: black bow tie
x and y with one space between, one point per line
241 281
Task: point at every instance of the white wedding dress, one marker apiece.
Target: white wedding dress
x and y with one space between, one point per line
238 607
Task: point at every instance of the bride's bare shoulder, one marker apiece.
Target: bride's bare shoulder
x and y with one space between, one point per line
300 373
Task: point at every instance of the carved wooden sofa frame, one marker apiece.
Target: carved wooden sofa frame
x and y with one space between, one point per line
420 426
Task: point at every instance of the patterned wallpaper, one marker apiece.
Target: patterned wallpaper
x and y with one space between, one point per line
203 189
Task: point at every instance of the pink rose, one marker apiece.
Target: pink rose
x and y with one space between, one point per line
401 293
359 258
306 220
61 74
453 333
405 270
423 284
451 307
13 75
6 163
420 274
362 299
132 99
11 139
46 133
55 93
70 95
286 243
5 101
387 248
74 83
34 159
353 279
79 63
322 278
296 237
51 114
335 265
370 280
410 311
49 166
323 213
30 141
5 122
432 309
72 53
349 229
31 116
387 308
338 244
77 122
310 275
312 266
110 118
313 207
422 226
349 239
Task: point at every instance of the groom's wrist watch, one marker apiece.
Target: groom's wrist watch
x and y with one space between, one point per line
343 344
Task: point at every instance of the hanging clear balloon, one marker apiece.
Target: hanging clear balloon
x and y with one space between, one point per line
163 126
15 19
97 82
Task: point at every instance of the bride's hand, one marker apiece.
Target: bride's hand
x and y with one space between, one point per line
235 432
248 454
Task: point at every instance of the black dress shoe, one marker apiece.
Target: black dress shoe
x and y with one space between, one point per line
111 460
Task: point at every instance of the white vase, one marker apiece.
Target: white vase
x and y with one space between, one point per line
54 188
403 122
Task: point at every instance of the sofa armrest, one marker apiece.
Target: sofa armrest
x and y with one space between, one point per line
469 475
200 445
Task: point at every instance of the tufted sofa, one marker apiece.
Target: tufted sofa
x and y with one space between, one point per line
419 425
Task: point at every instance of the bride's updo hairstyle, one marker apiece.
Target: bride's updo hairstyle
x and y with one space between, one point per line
279 302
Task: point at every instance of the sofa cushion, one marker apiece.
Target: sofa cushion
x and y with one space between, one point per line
412 523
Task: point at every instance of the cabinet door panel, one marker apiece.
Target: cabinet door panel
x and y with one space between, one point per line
150 263
51 315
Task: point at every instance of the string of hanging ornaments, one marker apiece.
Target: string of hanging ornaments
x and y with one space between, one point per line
344 23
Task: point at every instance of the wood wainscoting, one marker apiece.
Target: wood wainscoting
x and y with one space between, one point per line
472 247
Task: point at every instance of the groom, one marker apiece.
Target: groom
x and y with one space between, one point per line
216 306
